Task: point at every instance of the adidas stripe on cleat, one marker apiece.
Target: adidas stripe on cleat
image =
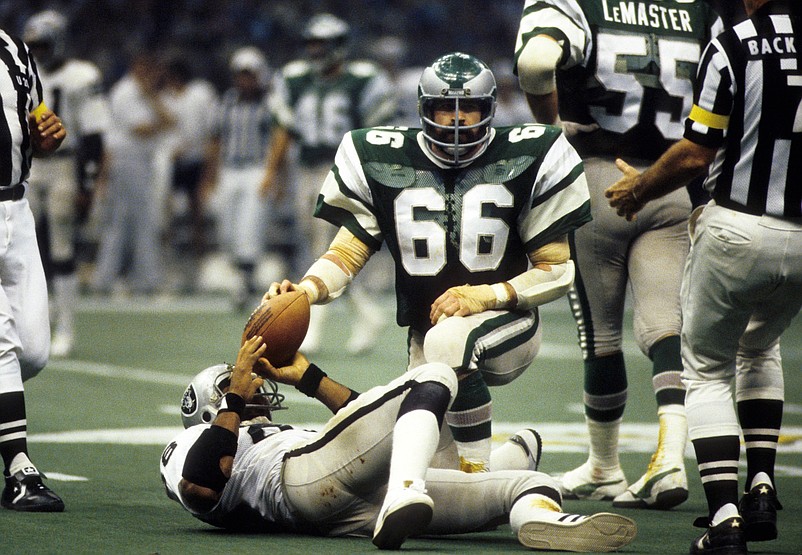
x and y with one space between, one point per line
601 532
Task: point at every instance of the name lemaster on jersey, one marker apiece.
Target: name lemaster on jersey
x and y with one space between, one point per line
646 14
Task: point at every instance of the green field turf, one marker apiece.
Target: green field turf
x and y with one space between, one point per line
98 422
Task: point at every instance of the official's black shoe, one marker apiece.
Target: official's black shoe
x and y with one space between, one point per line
725 538
25 491
758 507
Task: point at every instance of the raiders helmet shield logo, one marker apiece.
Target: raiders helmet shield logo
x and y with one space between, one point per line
189 403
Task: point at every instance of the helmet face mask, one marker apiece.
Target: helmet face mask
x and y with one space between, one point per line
202 397
456 103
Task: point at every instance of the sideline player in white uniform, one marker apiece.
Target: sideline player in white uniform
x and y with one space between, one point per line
315 102
476 220
61 184
742 285
621 75
371 463
27 128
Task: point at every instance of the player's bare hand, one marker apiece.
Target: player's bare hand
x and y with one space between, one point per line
244 382
47 131
571 128
622 195
290 374
277 289
463 300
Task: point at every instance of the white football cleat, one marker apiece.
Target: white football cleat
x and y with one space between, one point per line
529 440
586 482
405 512
660 488
555 531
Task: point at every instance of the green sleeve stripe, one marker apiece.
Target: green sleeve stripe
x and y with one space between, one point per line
564 183
561 227
344 218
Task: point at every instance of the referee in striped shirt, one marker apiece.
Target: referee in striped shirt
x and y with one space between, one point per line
743 281
27 128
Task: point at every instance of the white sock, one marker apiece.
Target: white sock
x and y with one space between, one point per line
415 438
530 507
65 294
603 451
727 511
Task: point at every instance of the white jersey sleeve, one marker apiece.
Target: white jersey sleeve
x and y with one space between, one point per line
565 21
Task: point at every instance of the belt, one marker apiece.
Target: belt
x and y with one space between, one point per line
15 192
737 206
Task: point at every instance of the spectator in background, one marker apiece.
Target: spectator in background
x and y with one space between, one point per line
511 105
242 130
130 239
194 102
61 184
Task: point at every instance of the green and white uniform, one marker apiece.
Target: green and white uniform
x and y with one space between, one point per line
448 226
629 67
318 111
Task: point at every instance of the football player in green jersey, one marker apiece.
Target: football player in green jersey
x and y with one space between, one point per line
315 101
618 77
476 219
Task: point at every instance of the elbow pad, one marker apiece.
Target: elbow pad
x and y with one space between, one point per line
537 64
536 287
202 465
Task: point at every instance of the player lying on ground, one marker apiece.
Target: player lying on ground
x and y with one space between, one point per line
371 463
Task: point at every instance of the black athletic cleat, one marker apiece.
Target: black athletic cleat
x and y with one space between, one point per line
725 538
758 507
25 491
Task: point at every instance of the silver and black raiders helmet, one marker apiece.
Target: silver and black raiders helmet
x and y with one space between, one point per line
455 79
203 395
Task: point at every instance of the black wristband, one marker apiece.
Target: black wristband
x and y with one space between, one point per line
232 403
310 381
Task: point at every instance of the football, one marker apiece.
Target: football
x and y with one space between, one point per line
282 322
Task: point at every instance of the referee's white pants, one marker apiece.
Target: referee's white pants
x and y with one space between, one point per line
24 318
243 213
742 288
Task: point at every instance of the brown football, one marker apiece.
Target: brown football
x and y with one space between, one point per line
282 322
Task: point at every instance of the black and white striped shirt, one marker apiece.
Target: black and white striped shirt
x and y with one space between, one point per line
20 93
748 102
244 129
